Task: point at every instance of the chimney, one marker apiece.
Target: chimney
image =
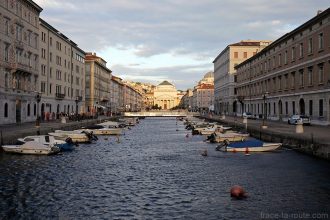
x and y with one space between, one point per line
319 12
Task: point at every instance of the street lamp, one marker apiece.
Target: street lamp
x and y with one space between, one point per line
264 112
38 99
77 101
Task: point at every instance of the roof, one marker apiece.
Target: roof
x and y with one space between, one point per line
165 83
246 43
205 86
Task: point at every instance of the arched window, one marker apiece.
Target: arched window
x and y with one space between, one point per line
28 110
6 80
6 110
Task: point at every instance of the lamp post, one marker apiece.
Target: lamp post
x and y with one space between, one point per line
38 99
264 112
77 101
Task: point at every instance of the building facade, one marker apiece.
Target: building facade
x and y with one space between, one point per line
62 73
290 76
224 72
203 97
117 95
166 96
19 60
98 85
133 99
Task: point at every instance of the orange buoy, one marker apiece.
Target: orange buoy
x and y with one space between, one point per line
234 150
237 192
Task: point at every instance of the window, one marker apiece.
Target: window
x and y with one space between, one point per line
28 110
321 73
301 50
58 89
293 107
30 38
286 81
286 108
6 110
301 78
50 88
245 54
279 59
7 26
236 55
43 53
19 30
43 70
50 41
77 81
58 74
310 75
50 57
6 80
320 41
293 80
35 109
6 52
280 83
310 45
286 57
321 107
293 54
310 107
50 72
43 87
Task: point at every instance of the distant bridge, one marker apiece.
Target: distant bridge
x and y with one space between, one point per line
160 114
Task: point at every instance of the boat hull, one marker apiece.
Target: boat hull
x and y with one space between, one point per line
266 147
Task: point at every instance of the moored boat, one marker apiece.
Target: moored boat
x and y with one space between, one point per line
31 147
230 136
64 145
249 146
76 136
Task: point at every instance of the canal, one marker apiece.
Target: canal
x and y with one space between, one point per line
156 172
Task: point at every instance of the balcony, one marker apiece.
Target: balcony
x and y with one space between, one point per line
59 96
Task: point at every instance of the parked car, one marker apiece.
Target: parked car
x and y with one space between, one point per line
294 119
249 115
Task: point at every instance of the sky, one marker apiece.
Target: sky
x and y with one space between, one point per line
174 40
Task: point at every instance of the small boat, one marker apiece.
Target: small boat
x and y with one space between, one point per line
76 136
49 140
248 146
32 147
230 136
215 128
101 130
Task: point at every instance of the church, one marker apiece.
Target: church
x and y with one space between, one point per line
166 96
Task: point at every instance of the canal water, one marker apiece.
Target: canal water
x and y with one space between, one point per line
156 172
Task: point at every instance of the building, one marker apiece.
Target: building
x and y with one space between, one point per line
187 99
62 73
166 96
203 97
19 60
291 75
117 95
98 85
224 72
207 79
133 99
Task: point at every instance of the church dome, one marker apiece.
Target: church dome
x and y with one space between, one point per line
209 75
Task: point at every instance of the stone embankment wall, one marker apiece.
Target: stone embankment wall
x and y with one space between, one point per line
296 142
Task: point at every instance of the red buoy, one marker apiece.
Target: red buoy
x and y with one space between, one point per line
237 192
247 150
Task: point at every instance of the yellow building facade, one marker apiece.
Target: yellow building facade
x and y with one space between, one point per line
166 96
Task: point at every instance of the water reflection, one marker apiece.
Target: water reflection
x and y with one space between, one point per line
155 172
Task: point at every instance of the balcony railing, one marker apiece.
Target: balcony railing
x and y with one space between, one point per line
59 96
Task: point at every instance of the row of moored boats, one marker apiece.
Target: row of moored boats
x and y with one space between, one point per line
227 138
61 140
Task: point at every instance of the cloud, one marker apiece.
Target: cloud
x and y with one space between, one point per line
191 31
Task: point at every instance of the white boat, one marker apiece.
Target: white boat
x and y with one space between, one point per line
31 147
215 128
103 131
249 146
48 140
76 136
230 136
